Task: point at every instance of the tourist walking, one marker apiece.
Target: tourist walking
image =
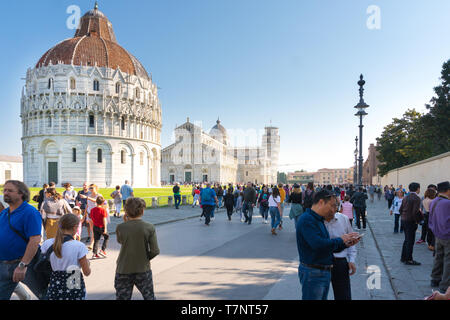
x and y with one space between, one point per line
99 217
81 201
427 234
395 209
69 195
117 196
239 202
263 204
308 196
439 224
176 195
53 208
196 197
220 195
359 203
91 203
344 261
229 202
41 196
411 217
283 198
316 248
249 202
20 236
77 212
208 200
389 195
139 245
295 200
275 209
127 192
67 257
347 209
371 192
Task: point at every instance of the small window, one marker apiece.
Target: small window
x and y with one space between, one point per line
49 121
50 83
96 85
91 121
138 93
122 157
122 121
74 154
73 84
118 87
99 156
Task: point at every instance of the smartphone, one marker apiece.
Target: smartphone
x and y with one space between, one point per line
360 235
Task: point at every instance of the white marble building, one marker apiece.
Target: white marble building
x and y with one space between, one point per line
197 156
11 168
90 112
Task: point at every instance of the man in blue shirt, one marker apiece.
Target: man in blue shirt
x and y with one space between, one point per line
126 191
208 200
315 247
20 236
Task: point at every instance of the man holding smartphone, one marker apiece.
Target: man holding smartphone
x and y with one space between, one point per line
316 248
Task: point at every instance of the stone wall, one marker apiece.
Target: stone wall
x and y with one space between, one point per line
429 171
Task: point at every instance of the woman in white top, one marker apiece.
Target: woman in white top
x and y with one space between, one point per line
67 258
275 208
395 208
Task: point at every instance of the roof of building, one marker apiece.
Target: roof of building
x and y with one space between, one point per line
10 158
94 44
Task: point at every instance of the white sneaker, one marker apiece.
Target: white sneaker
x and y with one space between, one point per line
213 218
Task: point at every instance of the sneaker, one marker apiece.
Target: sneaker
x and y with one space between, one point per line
95 256
412 263
420 241
102 253
213 218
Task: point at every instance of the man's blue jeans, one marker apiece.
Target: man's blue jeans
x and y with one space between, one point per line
177 200
315 283
7 285
247 208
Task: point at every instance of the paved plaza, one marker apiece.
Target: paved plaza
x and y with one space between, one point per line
232 260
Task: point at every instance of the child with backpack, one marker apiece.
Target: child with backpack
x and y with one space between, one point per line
99 217
68 256
139 245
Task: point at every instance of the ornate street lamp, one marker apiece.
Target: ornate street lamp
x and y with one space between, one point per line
361 106
355 171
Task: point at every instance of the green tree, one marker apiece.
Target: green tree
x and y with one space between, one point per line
281 177
437 120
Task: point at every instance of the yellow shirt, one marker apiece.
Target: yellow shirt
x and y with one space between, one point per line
282 194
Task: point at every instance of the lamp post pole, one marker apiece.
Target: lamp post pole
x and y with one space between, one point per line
361 106
355 171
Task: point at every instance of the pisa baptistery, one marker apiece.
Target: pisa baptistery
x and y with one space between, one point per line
90 112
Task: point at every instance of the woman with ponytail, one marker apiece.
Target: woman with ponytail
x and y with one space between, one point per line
53 208
67 258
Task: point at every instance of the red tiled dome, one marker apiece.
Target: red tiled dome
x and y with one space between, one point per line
94 43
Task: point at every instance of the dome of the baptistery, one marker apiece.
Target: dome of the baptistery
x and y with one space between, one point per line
94 44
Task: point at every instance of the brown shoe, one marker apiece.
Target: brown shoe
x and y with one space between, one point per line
273 232
431 248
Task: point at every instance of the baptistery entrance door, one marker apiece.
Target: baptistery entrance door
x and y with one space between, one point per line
52 172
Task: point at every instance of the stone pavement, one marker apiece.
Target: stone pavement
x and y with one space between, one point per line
407 282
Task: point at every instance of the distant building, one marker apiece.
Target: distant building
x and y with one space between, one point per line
197 156
370 166
322 176
11 168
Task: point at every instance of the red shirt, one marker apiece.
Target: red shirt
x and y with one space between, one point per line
97 216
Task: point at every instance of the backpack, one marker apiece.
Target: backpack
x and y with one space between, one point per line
43 266
308 202
206 195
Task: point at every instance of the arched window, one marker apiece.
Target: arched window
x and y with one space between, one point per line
99 156
118 87
122 157
74 154
50 83
49 120
96 85
138 93
91 121
73 84
122 122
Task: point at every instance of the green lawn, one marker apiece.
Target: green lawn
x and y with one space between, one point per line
145 193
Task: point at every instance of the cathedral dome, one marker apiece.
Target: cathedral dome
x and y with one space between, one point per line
219 132
94 44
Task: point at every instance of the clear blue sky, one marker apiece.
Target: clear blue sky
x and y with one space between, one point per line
251 61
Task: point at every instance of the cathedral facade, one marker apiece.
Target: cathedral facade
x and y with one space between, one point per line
90 112
197 156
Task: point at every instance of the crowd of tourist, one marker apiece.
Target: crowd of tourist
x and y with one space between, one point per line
326 218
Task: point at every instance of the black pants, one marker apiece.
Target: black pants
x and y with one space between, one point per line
409 229
360 213
340 279
98 232
427 234
390 203
229 210
207 210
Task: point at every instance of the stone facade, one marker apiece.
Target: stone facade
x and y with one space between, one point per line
197 157
85 119
323 176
